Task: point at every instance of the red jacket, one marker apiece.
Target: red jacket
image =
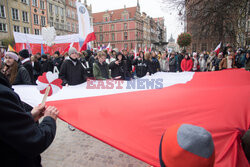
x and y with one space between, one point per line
186 65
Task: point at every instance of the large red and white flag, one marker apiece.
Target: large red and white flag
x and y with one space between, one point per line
149 105
86 31
217 49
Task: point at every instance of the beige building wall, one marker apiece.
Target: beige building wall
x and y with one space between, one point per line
19 6
57 15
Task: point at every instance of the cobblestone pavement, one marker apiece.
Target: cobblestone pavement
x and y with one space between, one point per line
77 149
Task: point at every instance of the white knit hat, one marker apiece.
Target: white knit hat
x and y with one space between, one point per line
12 55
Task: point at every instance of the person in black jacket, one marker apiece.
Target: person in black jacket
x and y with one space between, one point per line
25 60
72 71
16 73
128 59
22 140
142 66
119 68
46 65
172 63
57 61
155 63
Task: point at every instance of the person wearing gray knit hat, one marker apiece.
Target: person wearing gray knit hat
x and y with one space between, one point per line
72 50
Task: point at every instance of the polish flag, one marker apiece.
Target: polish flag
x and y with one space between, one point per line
135 54
145 50
217 49
203 99
67 49
86 31
108 47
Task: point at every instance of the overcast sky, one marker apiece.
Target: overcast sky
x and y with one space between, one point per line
153 8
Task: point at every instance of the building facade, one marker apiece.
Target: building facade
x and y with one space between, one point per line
126 28
122 28
38 11
14 16
56 10
146 31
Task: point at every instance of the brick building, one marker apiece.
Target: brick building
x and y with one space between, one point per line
127 28
122 28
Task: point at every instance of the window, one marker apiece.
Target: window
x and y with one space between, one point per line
68 13
50 7
15 15
73 14
24 1
70 2
2 11
51 24
100 28
68 26
34 3
35 19
106 19
203 47
73 27
125 36
112 27
42 4
125 26
56 10
26 30
101 38
25 16
43 21
113 45
194 47
125 17
113 36
61 12
37 31
125 46
16 29
3 27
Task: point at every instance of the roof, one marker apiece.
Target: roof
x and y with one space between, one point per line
116 15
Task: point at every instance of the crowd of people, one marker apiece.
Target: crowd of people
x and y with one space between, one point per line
74 67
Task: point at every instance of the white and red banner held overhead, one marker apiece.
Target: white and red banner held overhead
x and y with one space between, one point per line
33 42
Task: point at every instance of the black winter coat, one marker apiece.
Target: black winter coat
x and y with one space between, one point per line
46 66
119 70
22 77
142 67
29 68
57 62
72 73
172 64
216 63
155 65
21 139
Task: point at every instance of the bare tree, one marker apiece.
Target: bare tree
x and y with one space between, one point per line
213 18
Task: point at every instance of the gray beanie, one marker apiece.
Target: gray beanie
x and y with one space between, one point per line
72 50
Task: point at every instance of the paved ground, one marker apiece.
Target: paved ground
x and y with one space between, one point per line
77 149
